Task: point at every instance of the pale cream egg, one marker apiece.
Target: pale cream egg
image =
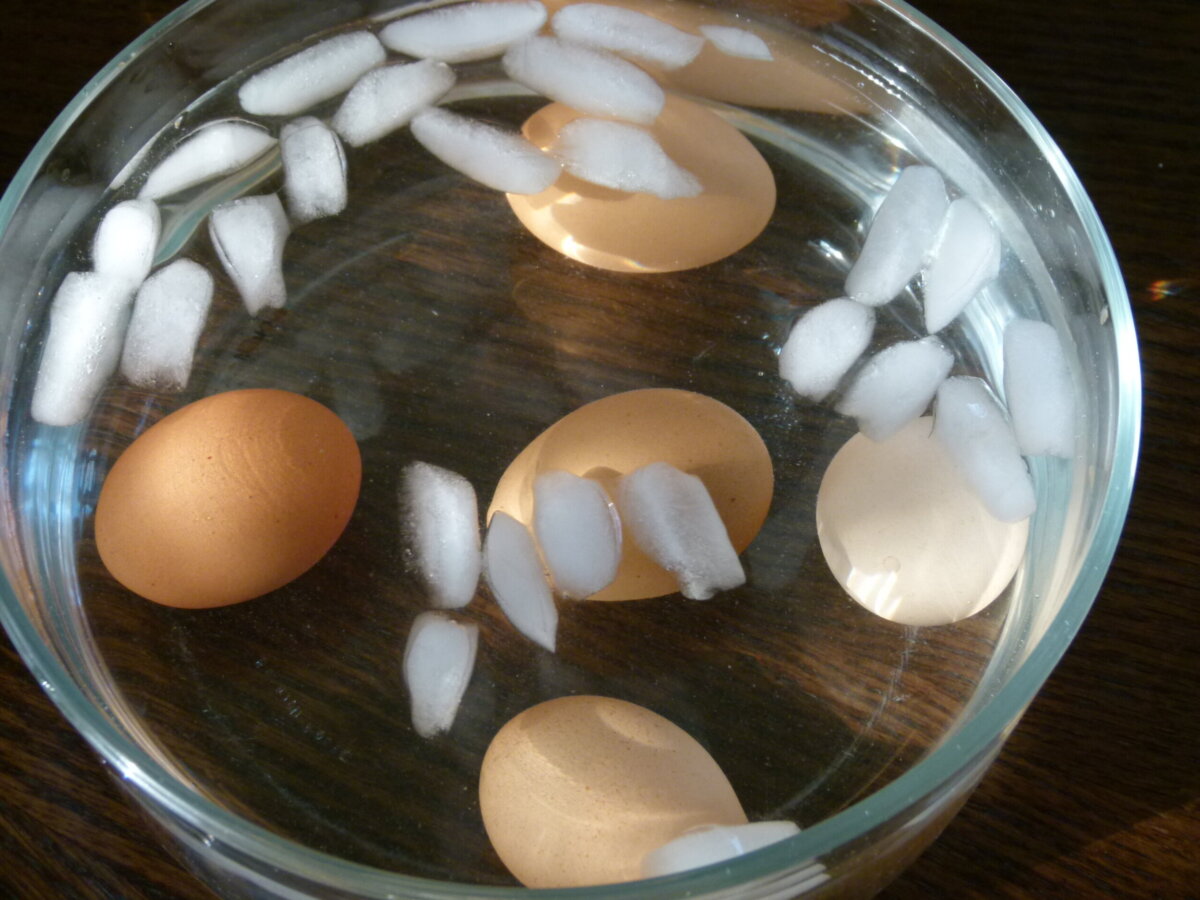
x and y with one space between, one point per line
906 536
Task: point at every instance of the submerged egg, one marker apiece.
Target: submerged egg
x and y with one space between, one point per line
228 498
576 791
906 536
638 232
615 435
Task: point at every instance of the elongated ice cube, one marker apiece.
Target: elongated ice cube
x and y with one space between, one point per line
87 324
623 157
895 386
248 234
592 81
515 575
824 344
494 157
901 235
975 431
737 42
627 32
1037 387
314 169
387 98
710 844
125 241
314 74
441 515
465 31
579 531
168 316
215 149
672 518
439 658
965 258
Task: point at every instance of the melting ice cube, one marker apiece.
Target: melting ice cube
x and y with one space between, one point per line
215 149
314 74
314 169
672 518
168 316
126 240
966 257
248 234
591 81
442 517
87 324
579 532
438 661
514 573
1037 386
901 235
824 344
973 428
627 32
491 156
465 31
895 386
387 98
623 157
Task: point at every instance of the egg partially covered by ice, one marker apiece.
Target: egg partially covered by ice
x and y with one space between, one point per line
578 790
228 498
619 434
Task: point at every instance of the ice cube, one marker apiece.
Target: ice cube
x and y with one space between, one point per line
441 516
627 32
737 42
248 234
439 658
974 430
895 386
314 74
465 31
965 258
579 531
824 344
125 241
1037 386
386 99
623 157
492 156
592 81
87 324
709 844
672 518
515 575
901 235
314 169
168 316
214 149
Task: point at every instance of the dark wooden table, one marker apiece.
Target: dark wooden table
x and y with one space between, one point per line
1095 794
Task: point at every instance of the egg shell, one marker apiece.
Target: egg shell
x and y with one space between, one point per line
641 233
228 498
577 790
615 435
906 535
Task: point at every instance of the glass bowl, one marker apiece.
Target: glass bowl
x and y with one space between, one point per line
270 741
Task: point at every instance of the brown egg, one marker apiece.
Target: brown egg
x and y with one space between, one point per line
635 232
906 536
613 436
575 791
228 498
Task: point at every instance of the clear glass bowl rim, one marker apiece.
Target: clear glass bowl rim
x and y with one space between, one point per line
977 736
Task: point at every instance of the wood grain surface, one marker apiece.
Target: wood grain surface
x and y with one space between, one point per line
1095 794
